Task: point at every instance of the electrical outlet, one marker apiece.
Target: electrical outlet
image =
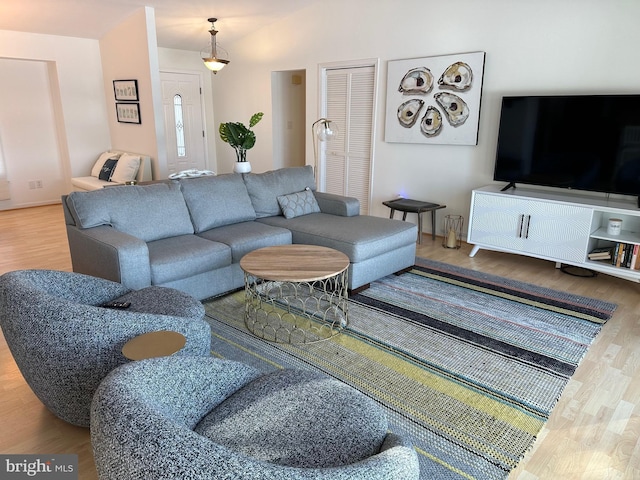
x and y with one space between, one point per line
38 183
35 184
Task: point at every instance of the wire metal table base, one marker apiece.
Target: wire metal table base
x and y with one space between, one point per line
296 312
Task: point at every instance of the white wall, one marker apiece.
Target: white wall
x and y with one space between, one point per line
537 46
289 126
34 168
81 73
77 87
129 52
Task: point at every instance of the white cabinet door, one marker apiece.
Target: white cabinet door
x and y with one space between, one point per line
541 228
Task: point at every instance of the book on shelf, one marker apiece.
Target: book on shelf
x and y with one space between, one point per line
601 259
634 257
625 255
621 255
603 253
628 253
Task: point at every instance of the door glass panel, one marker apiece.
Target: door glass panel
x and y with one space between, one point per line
180 144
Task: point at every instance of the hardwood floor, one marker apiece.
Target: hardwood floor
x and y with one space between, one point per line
592 434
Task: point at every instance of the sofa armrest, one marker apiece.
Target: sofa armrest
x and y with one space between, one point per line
108 253
338 204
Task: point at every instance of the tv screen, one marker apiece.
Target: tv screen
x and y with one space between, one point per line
582 142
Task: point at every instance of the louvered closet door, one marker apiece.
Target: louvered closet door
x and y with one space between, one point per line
350 97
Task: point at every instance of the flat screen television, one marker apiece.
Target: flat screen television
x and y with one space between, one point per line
582 142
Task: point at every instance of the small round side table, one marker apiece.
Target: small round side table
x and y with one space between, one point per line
162 343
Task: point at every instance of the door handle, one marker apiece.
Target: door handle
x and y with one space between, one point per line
520 224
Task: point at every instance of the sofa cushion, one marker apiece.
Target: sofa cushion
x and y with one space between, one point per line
298 204
300 419
360 238
214 201
245 237
163 301
149 212
265 188
88 183
184 256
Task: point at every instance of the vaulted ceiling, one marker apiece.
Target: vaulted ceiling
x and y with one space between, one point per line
179 24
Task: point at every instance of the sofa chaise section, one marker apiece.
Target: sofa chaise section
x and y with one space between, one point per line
376 246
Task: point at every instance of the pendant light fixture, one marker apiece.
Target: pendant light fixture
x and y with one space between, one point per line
214 56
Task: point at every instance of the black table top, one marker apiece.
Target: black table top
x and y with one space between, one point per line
409 205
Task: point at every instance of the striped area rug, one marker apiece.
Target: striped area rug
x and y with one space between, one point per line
468 365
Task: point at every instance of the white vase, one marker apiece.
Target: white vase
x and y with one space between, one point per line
242 167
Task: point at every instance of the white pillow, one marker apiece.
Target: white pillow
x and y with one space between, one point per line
95 171
126 169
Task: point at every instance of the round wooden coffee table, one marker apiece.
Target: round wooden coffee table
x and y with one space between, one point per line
295 293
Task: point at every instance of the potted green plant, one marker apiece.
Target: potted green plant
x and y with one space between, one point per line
241 138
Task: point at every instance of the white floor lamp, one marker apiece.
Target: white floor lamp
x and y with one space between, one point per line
322 130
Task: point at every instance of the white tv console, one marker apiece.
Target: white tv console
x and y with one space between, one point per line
562 228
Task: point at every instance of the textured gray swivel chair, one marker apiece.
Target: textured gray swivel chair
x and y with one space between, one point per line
64 343
204 418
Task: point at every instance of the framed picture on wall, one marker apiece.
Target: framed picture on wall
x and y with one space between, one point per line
128 112
126 90
434 100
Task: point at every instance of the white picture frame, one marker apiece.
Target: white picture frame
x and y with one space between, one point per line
407 90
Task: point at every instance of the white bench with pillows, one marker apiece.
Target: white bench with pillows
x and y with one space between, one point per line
115 168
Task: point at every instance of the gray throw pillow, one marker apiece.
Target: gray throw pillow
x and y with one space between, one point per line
264 188
298 204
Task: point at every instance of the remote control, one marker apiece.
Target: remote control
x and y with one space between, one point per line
118 305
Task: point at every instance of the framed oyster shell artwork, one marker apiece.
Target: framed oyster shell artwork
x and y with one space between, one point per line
434 99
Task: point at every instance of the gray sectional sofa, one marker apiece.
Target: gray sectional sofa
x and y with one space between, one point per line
190 234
